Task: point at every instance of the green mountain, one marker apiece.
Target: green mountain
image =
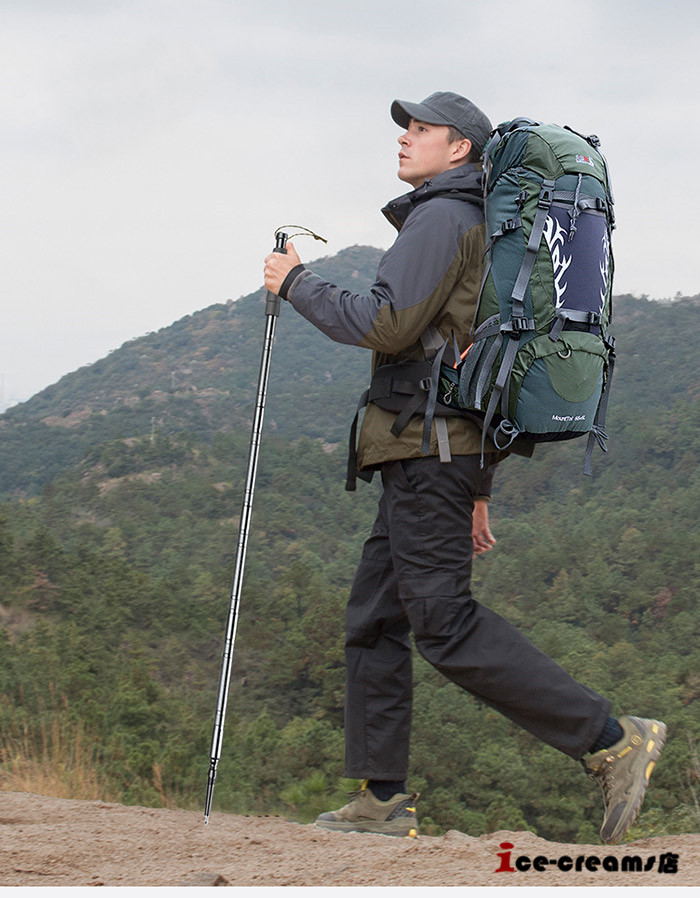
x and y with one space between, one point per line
123 484
197 376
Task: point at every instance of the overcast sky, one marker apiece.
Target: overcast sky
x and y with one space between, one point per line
149 148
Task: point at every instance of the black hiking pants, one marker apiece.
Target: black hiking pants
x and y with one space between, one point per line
414 575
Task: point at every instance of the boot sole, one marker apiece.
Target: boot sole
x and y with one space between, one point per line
401 826
615 827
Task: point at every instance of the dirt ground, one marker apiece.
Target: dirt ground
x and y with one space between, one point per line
58 842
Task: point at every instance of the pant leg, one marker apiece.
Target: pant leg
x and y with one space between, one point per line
379 683
428 508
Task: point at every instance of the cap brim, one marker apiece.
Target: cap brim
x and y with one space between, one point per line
402 113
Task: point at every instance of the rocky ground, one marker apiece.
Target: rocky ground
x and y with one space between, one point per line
59 842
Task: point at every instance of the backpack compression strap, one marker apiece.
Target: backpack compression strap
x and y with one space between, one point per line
518 321
597 433
433 342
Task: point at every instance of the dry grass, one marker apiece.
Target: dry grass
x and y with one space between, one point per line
58 757
55 758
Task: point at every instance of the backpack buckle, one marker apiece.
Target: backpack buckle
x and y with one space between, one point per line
594 318
519 324
546 197
425 383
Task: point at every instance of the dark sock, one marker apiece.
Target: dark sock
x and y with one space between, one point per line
611 733
386 789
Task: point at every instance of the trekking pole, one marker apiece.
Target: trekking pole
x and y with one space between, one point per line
272 310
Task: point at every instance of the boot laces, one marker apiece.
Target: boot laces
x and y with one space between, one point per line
604 776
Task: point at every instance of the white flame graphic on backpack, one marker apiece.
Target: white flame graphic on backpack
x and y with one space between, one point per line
605 270
556 236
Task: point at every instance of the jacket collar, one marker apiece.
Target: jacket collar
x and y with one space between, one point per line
463 183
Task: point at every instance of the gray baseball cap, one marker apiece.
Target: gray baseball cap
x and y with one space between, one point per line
446 108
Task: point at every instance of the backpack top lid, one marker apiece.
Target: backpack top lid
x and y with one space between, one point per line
548 151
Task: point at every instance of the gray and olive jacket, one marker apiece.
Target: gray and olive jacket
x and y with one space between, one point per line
430 276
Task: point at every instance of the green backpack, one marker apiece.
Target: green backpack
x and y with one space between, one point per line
541 360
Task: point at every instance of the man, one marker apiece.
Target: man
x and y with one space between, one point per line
416 565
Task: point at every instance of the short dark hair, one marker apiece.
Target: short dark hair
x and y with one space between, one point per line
453 135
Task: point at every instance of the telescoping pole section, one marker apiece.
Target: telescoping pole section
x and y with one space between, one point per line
272 310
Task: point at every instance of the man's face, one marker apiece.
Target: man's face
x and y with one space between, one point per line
425 152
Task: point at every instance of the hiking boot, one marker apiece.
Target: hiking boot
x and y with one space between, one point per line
366 814
623 771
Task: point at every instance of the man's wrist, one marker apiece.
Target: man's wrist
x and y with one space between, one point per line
289 280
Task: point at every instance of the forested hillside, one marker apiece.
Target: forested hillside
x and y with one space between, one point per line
197 376
122 486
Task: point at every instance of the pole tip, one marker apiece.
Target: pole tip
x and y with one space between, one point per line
206 819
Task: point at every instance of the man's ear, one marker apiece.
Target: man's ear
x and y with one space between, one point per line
461 149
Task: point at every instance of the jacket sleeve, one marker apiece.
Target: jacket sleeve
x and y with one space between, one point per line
414 279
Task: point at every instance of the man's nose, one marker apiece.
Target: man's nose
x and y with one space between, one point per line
403 139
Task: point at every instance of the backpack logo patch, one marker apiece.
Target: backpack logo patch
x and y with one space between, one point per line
586 159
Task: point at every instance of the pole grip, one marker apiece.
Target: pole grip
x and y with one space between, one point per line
272 306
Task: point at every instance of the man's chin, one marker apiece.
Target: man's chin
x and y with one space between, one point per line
406 178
